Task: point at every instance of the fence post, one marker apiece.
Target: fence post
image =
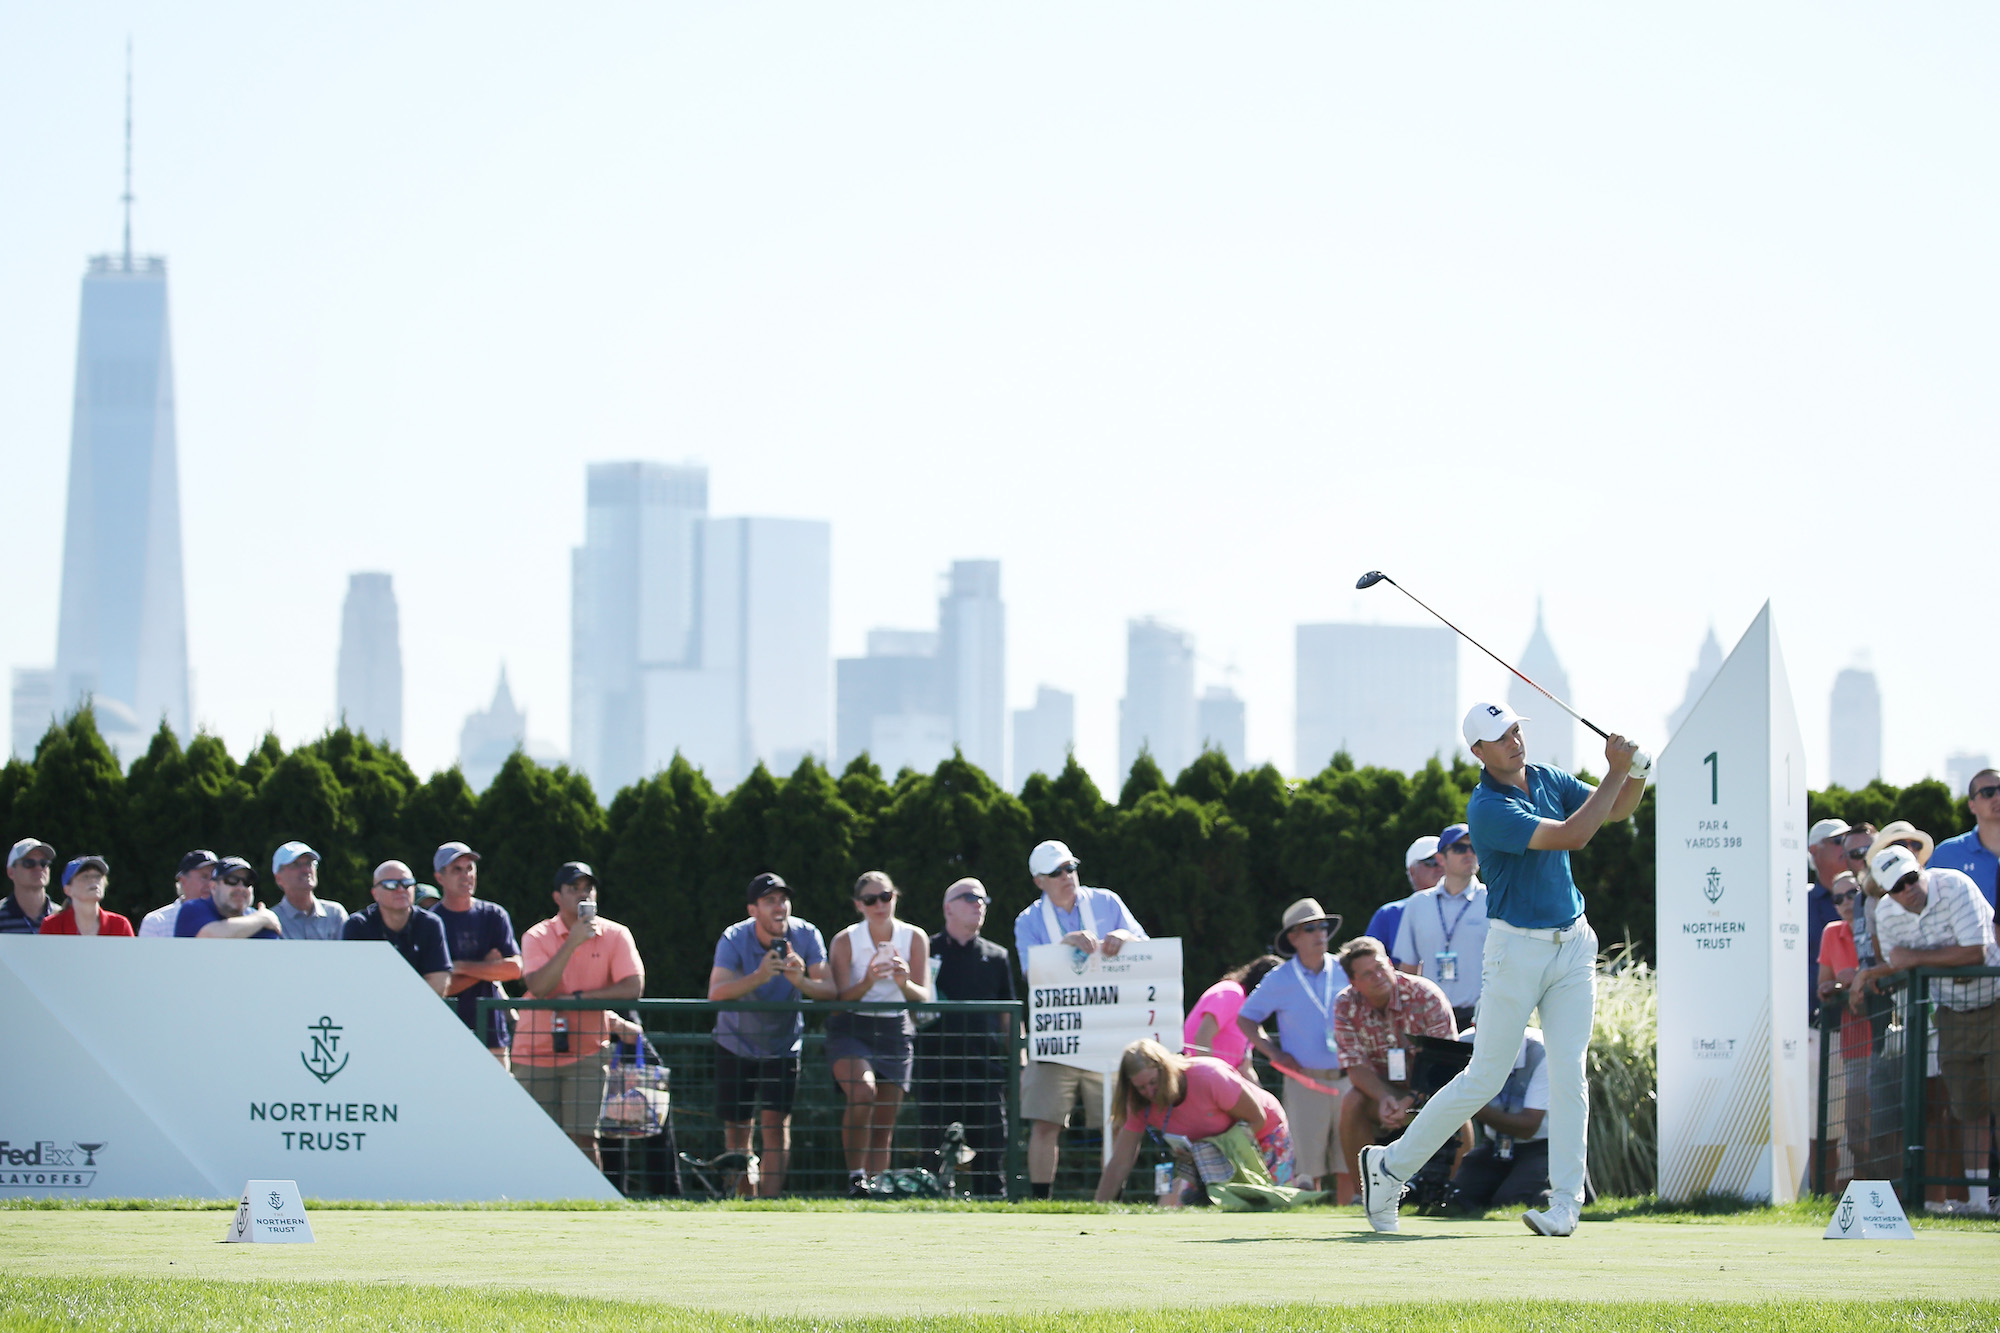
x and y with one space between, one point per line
1916 1051
1016 1166
1828 1036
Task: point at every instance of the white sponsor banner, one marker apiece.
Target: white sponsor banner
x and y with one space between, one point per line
1869 1210
270 1213
1084 1009
1730 930
160 1068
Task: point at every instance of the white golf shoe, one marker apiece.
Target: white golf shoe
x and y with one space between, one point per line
1558 1219
1380 1191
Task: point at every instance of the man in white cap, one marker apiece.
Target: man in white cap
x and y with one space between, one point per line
1424 865
1828 855
1540 954
305 915
1939 918
23 910
483 949
1300 996
1090 920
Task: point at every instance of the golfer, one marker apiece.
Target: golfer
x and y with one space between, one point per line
1526 819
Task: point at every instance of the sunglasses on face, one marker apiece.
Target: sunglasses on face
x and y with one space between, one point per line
1430 862
1986 793
1317 928
979 898
1856 853
1848 897
1066 868
1906 883
35 862
873 899
236 881
395 884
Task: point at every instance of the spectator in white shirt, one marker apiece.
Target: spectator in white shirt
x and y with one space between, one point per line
194 880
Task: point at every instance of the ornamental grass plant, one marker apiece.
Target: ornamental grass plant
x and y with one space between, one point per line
1624 1071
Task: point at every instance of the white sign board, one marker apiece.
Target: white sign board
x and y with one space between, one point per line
1084 1009
1730 932
270 1213
161 1068
1869 1210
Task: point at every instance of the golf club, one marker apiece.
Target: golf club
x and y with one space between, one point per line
1375 576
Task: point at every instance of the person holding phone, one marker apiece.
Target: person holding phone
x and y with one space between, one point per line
876 958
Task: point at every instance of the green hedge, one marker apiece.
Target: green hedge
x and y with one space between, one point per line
1213 856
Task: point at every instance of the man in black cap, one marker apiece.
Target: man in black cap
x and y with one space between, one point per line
769 955
194 878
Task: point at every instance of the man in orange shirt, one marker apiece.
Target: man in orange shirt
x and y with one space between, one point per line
574 955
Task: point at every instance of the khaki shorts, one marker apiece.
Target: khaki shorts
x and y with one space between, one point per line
572 1094
1315 1121
1969 1059
1049 1090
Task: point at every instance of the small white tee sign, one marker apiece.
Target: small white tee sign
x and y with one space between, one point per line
1869 1210
270 1213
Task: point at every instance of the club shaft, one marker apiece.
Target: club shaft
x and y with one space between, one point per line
1501 660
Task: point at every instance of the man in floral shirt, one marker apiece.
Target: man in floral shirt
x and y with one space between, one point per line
1373 1021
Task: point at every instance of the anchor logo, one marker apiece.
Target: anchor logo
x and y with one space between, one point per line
1714 886
1847 1214
321 1064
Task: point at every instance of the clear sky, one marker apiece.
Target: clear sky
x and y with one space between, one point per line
1185 310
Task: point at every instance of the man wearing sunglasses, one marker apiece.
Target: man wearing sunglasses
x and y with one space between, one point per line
1939 918
1976 852
1301 995
226 913
394 919
23 911
961 1072
1828 857
1443 932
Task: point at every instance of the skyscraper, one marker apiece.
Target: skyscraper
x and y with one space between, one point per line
972 662
369 686
488 738
1707 663
1959 769
122 634
1157 712
1044 734
890 703
1854 729
1551 734
34 708
1219 723
1386 694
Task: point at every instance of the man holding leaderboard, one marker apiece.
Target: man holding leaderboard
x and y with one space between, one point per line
1540 953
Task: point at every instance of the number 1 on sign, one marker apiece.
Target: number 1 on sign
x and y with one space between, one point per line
1714 777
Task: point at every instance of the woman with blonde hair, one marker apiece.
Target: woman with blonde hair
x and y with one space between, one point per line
876 958
1195 1099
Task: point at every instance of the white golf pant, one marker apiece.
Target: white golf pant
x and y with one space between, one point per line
1519 974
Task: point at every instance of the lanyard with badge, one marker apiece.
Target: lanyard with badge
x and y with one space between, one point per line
1324 1000
1447 957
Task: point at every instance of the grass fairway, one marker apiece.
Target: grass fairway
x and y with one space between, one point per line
782 1269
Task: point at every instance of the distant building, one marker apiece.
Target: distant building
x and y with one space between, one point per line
1854 729
489 737
1157 713
1219 723
1044 734
972 663
1707 663
369 688
1551 735
707 637
34 710
1386 694
1959 771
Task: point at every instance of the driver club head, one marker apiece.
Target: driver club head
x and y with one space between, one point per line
1370 579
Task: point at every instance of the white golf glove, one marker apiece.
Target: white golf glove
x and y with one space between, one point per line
1642 766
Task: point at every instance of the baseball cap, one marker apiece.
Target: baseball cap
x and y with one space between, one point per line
767 883
572 871
26 845
1891 864
196 859
1827 828
83 863
1048 855
448 853
230 864
1421 850
1488 722
428 893
1457 833
289 853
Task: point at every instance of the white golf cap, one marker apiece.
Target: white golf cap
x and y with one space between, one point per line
26 845
1488 722
289 853
1048 855
448 853
1423 849
1891 864
1828 828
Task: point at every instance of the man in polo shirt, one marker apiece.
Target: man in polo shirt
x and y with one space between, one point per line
23 910
295 870
1088 920
1828 857
1374 1018
1443 934
193 880
226 914
394 918
961 1069
1975 853
1939 918
1301 994
1540 953
1424 868
481 936
1510 1163
768 955
574 955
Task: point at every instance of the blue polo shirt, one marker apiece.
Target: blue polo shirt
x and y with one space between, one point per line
765 1036
1969 857
198 912
1820 913
1303 1002
1529 889
1388 919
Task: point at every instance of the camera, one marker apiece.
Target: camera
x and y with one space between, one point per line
778 948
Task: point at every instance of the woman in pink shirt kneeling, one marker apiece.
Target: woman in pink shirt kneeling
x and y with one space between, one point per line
1195 1099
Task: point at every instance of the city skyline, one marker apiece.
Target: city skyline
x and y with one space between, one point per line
1671 344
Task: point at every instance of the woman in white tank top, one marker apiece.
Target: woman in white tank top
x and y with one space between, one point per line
876 958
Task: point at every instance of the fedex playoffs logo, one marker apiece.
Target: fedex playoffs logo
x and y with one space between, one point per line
48 1165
